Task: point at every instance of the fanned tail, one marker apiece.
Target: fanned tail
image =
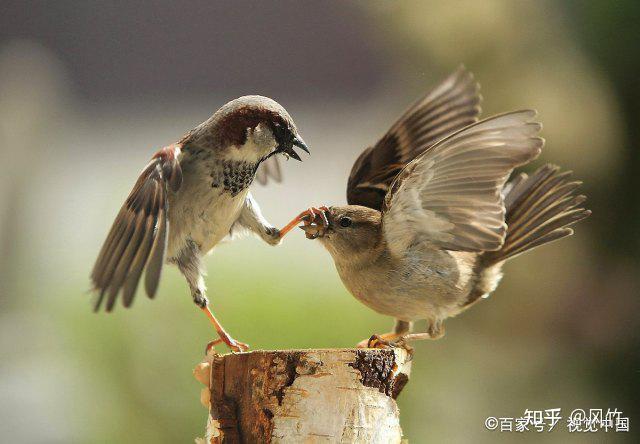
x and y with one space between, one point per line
540 209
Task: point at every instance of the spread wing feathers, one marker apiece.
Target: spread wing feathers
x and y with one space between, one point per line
138 237
269 169
450 196
449 107
540 208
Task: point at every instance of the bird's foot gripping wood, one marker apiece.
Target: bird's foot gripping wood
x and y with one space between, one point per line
401 340
386 341
224 337
234 346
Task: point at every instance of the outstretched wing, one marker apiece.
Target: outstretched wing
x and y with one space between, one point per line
138 237
269 169
450 196
450 106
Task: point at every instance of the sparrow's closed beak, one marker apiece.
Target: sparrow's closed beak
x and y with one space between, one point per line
297 141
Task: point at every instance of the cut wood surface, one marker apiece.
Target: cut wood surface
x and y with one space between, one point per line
304 396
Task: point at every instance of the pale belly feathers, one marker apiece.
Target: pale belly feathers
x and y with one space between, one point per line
423 285
201 211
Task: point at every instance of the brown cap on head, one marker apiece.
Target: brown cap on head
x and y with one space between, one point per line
228 125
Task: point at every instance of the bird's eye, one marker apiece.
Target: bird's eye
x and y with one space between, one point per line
345 222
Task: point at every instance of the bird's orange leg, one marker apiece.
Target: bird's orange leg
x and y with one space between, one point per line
235 346
307 217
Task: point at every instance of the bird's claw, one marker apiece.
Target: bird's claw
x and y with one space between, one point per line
234 346
381 342
377 341
237 346
315 218
307 217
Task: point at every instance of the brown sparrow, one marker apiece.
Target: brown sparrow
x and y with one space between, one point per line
190 196
431 218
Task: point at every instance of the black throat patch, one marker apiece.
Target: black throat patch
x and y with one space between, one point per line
232 176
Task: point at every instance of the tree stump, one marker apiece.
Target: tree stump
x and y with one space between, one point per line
309 396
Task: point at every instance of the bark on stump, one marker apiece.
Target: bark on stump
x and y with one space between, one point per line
309 396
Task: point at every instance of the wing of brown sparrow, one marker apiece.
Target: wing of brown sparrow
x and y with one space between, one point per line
190 196
436 241
449 107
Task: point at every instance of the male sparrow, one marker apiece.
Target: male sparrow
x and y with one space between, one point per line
190 196
431 219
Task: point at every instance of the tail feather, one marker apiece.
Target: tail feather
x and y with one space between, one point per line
540 208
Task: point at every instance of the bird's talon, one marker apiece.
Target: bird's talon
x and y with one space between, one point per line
237 346
234 346
385 341
375 341
323 216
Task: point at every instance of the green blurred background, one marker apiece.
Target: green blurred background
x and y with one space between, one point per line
89 90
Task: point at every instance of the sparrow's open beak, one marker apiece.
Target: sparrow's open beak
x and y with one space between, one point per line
313 231
297 141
